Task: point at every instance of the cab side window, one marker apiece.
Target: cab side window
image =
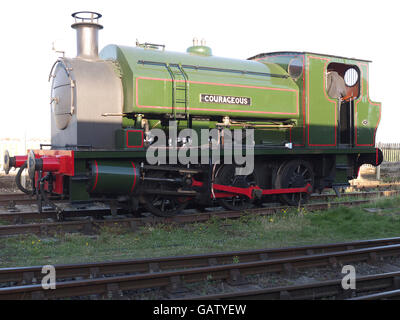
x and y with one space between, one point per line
343 81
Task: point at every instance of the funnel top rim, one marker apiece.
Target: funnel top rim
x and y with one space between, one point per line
87 24
94 15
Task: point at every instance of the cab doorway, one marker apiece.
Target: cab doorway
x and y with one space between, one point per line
343 85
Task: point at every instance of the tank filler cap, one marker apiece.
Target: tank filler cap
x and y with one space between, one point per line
201 50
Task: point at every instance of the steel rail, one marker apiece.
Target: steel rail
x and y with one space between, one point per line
387 295
368 194
234 272
91 225
20 198
394 185
24 275
13 196
7 199
320 290
25 216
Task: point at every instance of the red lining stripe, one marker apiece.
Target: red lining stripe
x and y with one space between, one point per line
134 176
127 139
326 96
370 102
218 84
97 175
304 91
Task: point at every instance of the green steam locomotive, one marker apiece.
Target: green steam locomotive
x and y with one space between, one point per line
146 128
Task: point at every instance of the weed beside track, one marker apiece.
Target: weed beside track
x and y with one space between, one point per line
287 228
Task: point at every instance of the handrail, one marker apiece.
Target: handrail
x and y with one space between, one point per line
187 66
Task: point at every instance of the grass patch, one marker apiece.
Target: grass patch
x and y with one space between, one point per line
288 228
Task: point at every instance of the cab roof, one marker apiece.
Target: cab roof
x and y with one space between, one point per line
261 55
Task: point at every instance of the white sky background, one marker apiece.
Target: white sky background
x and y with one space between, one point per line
236 29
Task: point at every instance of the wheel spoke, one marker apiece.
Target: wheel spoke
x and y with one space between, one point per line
163 205
226 176
294 174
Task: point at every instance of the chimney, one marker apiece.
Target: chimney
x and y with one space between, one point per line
87 34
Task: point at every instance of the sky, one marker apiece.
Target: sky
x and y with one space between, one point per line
235 29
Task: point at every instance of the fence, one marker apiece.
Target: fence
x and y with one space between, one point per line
391 151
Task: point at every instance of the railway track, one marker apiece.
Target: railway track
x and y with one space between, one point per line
384 295
11 199
89 221
114 279
386 284
379 186
90 225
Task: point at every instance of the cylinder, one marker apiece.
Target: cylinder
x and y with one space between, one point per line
113 177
